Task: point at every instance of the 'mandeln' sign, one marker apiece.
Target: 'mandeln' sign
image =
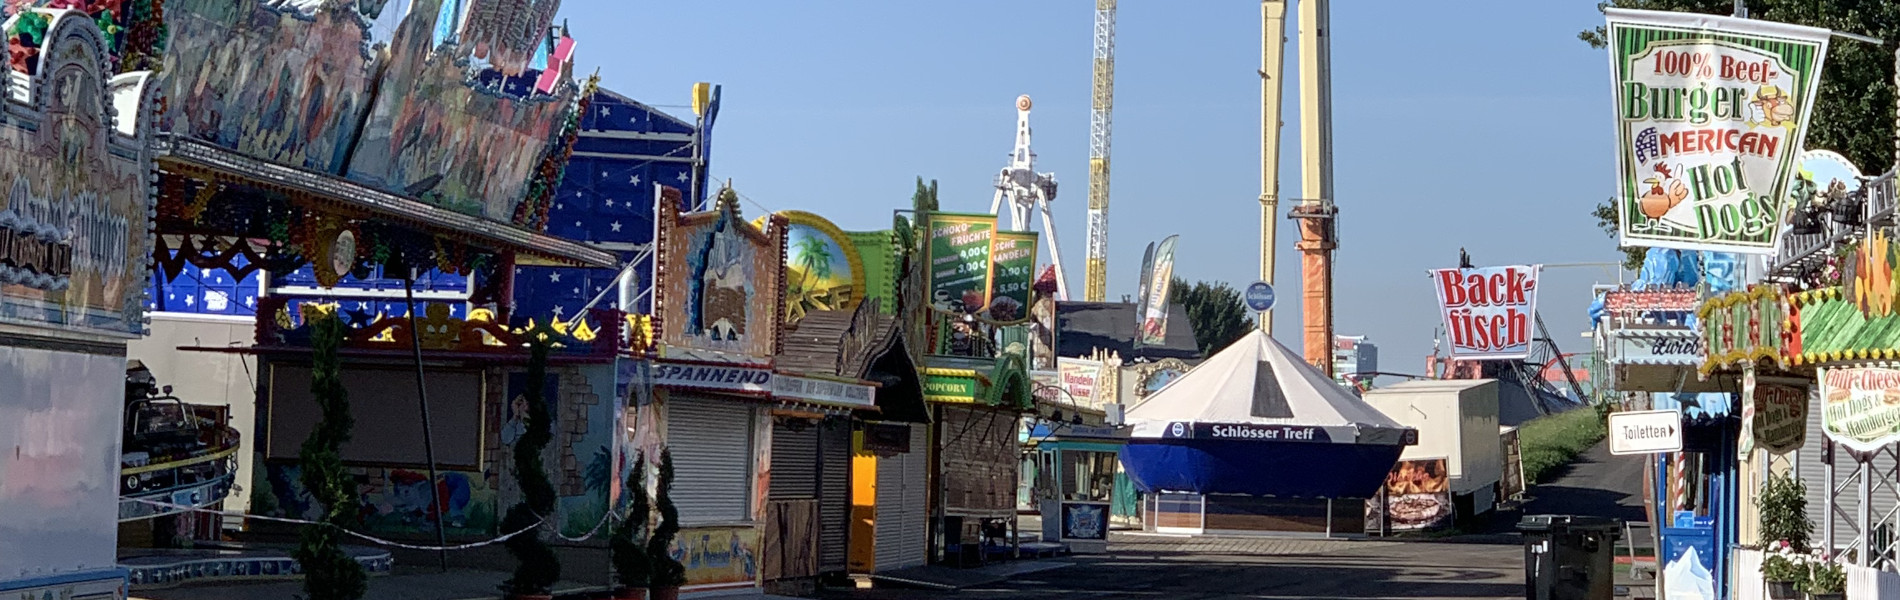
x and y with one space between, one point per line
1488 311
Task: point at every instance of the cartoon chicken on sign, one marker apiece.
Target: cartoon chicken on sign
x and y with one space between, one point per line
1771 108
1665 192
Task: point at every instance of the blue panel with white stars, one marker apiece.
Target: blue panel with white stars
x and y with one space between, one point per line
433 280
204 291
606 196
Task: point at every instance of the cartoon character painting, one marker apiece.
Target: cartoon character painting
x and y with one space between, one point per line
1664 193
1771 108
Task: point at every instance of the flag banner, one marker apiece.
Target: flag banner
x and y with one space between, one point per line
958 252
1154 315
1710 116
1490 311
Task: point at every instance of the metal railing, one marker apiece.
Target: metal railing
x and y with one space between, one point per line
1800 253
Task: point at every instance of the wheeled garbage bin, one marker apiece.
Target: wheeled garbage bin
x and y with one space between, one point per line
1568 557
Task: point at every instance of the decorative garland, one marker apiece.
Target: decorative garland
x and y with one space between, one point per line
329 573
532 212
538 568
1748 326
633 567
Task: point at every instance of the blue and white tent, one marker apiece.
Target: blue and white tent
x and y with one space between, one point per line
1255 419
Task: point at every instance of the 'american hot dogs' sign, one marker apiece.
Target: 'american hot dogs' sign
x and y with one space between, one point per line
1489 312
1710 115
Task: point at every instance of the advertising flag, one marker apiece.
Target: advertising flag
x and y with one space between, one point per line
1147 271
1013 271
1710 115
1490 311
1154 309
958 252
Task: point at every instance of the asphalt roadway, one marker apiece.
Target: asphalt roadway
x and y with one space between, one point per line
1264 570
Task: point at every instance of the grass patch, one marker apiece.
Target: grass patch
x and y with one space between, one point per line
1553 441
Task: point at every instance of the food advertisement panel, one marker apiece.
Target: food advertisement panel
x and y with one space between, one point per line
1489 312
1417 495
1012 272
959 251
1860 408
1710 115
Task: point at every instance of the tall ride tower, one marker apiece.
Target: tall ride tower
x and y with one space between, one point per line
1095 287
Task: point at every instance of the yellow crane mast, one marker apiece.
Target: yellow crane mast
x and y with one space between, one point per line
1095 285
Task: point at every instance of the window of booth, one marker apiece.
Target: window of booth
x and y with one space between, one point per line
1088 475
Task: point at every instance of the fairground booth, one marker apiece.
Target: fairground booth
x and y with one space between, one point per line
379 178
75 242
1256 440
1812 351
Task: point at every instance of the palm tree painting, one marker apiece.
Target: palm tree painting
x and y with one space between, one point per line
822 278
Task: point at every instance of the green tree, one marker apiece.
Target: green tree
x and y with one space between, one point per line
1606 220
329 573
1215 311
1851 110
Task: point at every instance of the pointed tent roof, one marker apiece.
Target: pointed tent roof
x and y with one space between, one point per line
1261 385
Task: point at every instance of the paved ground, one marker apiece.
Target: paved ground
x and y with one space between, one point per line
407 583
1596 484
1258 569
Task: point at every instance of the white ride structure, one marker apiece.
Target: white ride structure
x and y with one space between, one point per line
1026 190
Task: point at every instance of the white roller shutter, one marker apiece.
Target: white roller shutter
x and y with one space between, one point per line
711 442
1813 473
902 488
834 497
794 462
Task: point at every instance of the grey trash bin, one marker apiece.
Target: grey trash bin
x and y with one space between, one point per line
1568 557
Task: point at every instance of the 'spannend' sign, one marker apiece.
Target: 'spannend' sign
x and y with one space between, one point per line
1489 312
1645 432
958 251
1710 115
724 378
75 234
1860 408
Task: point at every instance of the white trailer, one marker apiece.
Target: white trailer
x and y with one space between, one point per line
1456 419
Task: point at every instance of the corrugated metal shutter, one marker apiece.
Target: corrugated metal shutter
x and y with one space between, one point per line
902 488
1813 474
834 498
794 462
711 442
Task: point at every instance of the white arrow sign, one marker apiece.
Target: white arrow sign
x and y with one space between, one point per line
1645 432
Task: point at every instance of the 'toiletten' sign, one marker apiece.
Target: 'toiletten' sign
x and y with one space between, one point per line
1645 432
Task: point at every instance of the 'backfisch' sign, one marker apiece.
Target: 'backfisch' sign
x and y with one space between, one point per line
1489 312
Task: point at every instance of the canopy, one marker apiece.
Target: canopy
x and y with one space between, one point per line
1255 419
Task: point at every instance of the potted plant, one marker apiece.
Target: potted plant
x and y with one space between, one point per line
633 567
668 574
1826 580
1784 571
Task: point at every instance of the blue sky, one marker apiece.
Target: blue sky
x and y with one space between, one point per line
1480 124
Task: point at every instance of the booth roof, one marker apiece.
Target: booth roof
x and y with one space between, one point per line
1257 375
1111 326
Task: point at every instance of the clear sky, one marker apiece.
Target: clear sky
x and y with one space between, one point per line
1481 124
